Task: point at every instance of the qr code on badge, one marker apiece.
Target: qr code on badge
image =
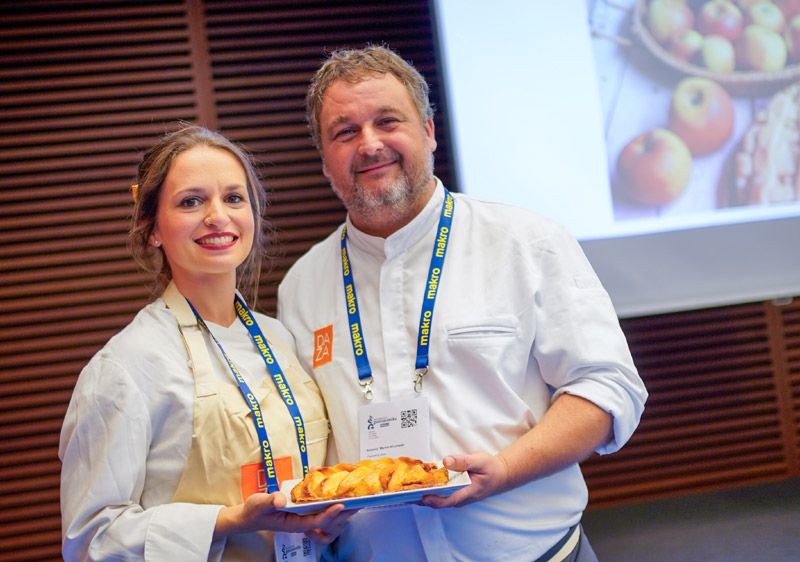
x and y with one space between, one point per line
408 418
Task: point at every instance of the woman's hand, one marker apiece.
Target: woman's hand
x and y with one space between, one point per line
488 475
261 512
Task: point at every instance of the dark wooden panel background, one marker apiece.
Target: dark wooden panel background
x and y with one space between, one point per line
85 87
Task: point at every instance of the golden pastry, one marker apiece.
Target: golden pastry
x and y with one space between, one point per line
368 477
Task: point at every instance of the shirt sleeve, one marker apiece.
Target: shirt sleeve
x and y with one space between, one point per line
105 439
579 344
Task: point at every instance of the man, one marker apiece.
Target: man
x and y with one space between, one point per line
481 327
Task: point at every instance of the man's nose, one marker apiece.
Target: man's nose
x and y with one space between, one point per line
371 141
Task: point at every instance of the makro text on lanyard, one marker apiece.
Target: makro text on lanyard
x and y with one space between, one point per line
281 384
428 302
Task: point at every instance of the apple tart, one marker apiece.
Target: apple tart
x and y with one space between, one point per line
368 477
766 167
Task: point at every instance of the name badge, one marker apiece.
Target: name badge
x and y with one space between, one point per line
294 546
396 428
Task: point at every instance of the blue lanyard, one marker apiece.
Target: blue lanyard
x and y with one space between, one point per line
281 384
428 302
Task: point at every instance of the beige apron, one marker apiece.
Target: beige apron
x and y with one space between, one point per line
224 436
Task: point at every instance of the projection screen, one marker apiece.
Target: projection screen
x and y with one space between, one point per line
544 99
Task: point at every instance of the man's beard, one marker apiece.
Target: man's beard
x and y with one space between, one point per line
396 199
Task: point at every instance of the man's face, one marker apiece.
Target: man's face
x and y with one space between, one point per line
376 151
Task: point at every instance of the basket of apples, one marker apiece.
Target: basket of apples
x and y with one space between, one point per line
748 46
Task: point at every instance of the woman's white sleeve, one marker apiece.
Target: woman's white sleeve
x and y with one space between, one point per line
105 439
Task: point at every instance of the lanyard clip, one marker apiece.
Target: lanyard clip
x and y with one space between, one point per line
418 374
366 386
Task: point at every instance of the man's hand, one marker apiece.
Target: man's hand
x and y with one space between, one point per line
568 433
488 475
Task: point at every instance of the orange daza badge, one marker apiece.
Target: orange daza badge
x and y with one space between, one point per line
323 345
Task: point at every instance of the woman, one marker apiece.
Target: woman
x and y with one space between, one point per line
198 402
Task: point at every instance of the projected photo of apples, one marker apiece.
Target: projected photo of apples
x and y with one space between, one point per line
701 104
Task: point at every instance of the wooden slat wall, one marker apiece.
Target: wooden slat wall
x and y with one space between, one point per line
82 90
790 337
262 56
724 401
86 86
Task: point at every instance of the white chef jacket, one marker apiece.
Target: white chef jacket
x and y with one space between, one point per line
126 436
520 317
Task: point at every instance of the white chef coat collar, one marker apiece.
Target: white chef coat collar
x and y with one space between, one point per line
404 238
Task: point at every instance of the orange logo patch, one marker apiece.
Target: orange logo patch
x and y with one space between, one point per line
323 346
253 479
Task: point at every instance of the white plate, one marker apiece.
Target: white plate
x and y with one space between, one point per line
457 481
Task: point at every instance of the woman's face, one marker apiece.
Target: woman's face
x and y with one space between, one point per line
204 220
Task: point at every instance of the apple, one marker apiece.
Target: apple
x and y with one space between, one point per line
789 8
718 55
654 167
766 14
701 113
668 18
721 17
792 36
763 49
686 45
